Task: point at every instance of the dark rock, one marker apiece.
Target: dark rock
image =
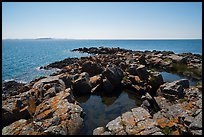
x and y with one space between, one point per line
155 81
142 59
133 69
13 110
13 88
91 68
172 89
61 64
107 86
142 72
82 84
114 75
183 82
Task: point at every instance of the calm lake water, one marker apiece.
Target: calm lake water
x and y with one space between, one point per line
22 58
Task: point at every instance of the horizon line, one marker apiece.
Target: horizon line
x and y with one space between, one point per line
49 38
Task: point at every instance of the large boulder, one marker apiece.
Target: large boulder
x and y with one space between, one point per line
175 88
43 85
155 81
14 128
132 69
178 59
96 83
114 75
92 68
135 122
142 72
142 59
55 116
82 84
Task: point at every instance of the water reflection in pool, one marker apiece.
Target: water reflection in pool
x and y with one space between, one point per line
102 109
169 77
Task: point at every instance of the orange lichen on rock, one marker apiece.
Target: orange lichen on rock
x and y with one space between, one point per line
162 122
137 79
175 132
170 123
44 114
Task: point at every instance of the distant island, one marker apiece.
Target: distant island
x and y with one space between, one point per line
44 38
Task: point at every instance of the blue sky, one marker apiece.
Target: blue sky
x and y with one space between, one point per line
101 20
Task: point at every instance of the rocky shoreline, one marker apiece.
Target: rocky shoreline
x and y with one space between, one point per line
47 105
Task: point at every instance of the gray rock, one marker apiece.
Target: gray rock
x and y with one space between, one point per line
150 131
98 131
172 89
196 132
158 133
197 123
128 119
56 130
14 127
140 114
178 59
115 125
